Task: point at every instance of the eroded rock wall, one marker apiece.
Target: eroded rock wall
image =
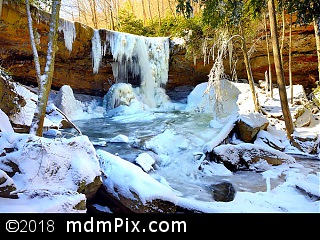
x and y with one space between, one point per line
75 67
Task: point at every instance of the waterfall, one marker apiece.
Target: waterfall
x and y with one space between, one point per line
136 58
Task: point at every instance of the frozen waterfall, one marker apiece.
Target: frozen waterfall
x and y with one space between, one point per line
138 60
69 32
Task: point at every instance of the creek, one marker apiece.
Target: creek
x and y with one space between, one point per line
180 169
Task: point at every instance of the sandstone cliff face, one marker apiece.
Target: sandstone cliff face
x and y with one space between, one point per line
304 56
75 68
72 68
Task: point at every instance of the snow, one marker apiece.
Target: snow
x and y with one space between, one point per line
121 178
145 161
5 123
25 115
209 146
77 158
41 186
120 138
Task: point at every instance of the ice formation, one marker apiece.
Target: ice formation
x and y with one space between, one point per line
135 57
96 51
69 32
66 101
118 94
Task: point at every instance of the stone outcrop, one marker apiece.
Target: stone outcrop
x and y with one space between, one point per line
75 67
246 156
11 101
54 167
304 56
248 131
7 186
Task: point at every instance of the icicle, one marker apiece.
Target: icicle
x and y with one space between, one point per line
267 81
69 32
204 51
268 184
230 49
96 51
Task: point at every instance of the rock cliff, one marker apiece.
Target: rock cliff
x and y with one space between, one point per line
74 67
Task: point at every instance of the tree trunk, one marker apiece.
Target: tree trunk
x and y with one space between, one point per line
1 1
279 71
249 72
316 23
173 12
159 13
33 44
150 12
290 60
131 7
94 13
45 81
144 12
268 54
283 32
112 19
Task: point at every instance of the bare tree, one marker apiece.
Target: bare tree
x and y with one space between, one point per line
44 80
93 9
150 12
316 24
283 33
159 13
268 54
290 59
83 9
1 1
279 71
144 12
172 10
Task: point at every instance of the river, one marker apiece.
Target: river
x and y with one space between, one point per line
180 167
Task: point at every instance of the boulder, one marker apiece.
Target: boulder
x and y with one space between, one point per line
247 156
248 126
11 102
7 186
49 168
223 191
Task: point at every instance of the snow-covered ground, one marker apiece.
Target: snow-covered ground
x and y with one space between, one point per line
174 156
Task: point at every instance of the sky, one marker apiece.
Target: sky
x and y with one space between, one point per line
171 172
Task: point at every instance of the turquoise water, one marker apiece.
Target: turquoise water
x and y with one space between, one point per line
181 168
